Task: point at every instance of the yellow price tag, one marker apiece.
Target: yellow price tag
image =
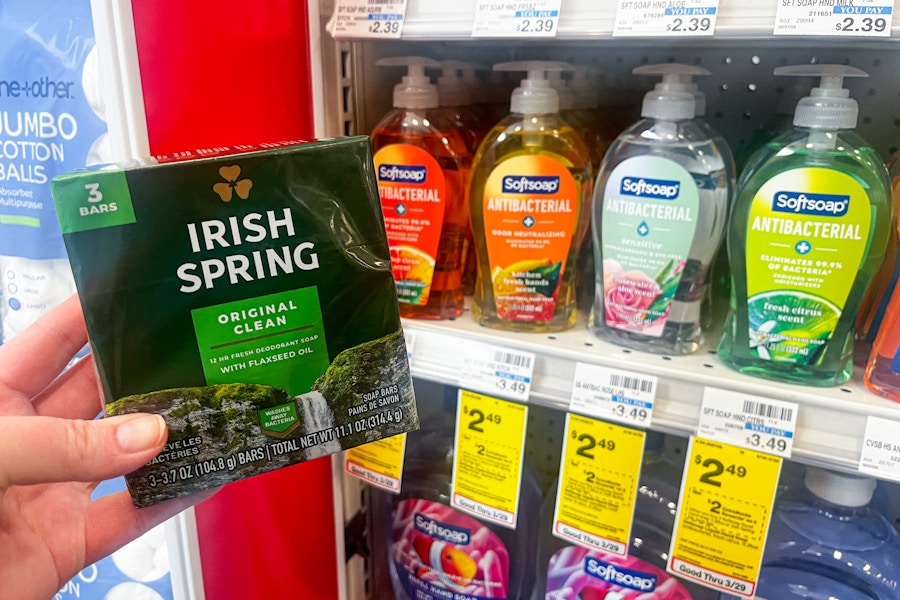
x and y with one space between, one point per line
598 484
723 516
487 461
379 463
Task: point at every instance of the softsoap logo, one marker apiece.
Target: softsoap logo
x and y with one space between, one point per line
634 580
233 184
660 189
819 205
402 173
530 184
442 531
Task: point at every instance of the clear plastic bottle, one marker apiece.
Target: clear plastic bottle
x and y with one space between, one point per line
528 205
422 166
827 542
810 223
659 214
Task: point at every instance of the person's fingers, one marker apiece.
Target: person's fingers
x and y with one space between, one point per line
113 521
73 395
32 359
47 449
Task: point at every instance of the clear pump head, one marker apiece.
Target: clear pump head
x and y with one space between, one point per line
472 81
534 96
671 99
828 106
415 89
566 96
839 488
452 90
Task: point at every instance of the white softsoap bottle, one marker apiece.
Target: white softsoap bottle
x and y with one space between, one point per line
659 213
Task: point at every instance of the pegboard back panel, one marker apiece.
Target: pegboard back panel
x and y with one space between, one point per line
745 101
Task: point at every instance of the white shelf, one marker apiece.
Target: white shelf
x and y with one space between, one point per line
581 19
830 425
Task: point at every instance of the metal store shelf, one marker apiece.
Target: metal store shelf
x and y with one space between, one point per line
831 421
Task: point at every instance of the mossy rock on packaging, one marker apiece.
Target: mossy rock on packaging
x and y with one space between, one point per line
248 298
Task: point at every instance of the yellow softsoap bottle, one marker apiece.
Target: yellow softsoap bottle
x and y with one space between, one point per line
531 187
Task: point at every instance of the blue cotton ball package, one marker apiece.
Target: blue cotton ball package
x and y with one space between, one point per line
51 122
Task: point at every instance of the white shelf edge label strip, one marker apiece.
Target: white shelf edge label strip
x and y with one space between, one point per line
747 421
517 18
613 394
497 371
365 19
667 18
867 18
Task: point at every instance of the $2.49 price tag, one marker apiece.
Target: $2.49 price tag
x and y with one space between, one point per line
598 480
723 516
487 458
379 463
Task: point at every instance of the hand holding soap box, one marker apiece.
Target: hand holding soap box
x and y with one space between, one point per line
248 299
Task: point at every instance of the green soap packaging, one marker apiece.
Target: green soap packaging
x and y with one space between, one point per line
245 296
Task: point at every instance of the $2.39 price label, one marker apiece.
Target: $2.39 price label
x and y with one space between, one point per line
516 18
868 18
598 478
487 457
355 19
669 18
723 516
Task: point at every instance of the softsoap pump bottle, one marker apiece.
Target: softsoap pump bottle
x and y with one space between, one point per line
455 99
659 214
422 166
809 227
528 206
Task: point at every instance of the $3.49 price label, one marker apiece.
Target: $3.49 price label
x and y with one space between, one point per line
497 371
379 463
723 516
616 395
598 478
487 458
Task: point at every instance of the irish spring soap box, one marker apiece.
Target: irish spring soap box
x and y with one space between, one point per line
248 299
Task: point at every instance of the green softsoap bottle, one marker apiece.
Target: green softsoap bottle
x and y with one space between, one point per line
807 233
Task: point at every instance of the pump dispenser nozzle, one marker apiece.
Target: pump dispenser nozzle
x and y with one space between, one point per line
452 90
534 96
566 96
828 106
416 89
672 98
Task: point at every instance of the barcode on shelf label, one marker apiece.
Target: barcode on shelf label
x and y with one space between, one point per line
762 424
497 371
510 358
761 409
368 19
613 394
632 383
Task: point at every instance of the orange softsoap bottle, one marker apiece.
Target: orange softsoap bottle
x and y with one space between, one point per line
530 193
883 367
422 167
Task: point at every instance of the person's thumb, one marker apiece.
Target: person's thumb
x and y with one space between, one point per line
49 449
